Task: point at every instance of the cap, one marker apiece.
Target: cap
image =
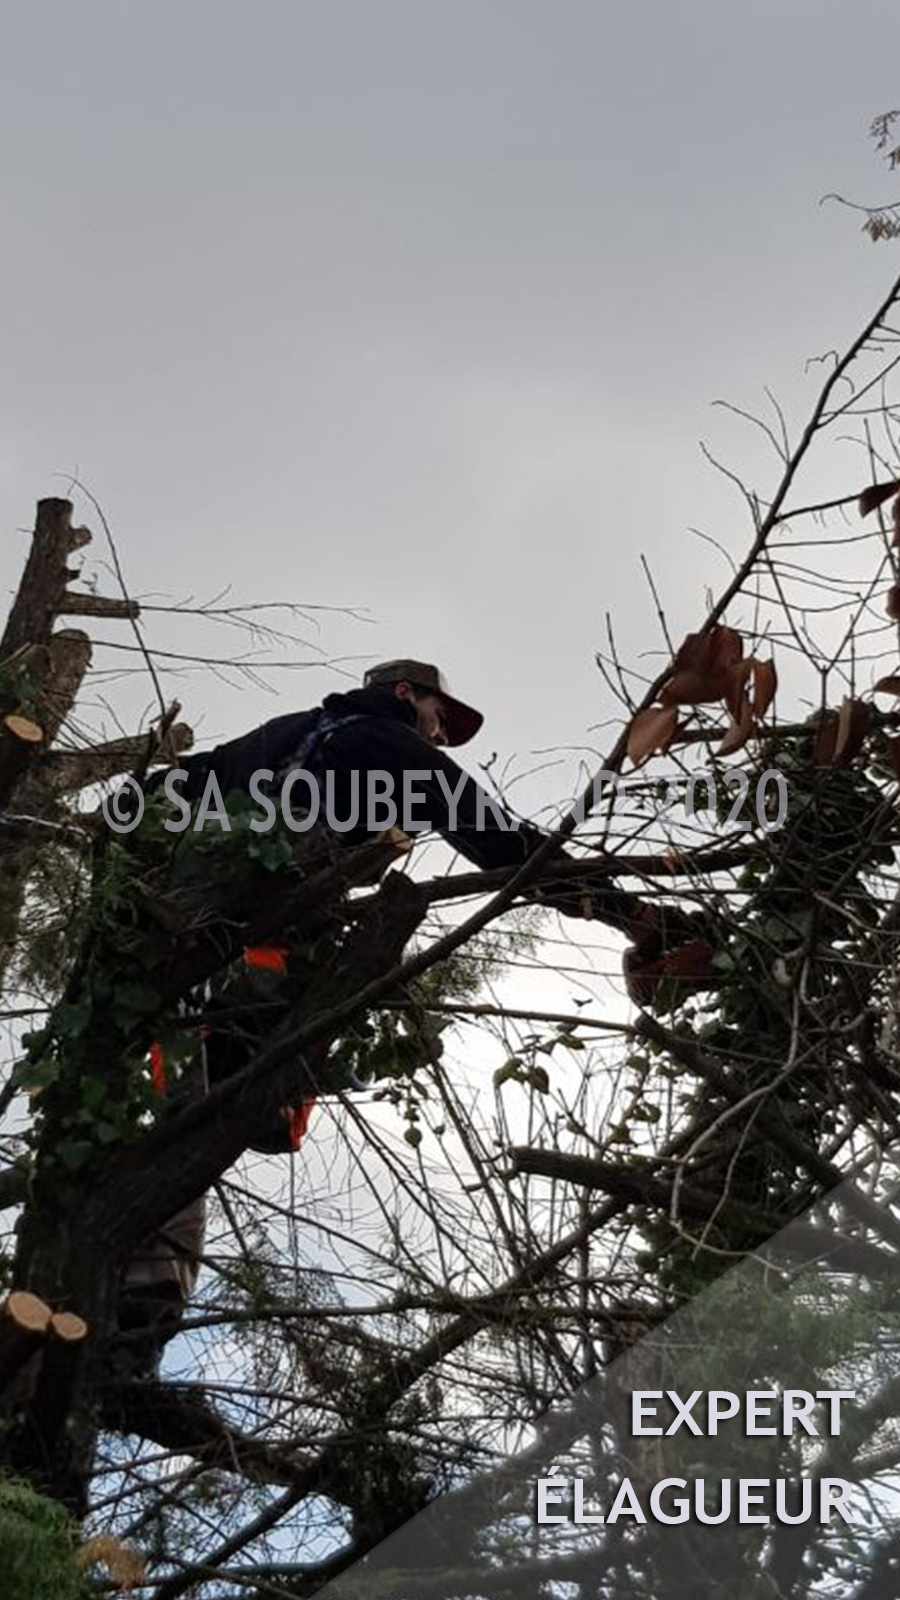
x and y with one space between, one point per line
462 721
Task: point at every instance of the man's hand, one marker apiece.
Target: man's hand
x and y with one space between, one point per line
666 942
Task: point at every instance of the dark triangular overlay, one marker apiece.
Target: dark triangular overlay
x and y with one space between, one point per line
795 1352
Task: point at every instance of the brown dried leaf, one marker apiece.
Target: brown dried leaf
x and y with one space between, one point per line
889 685
691 960
842 734
739 732
726 648
765 683
737 676
714 659
826 739
125 1565
875 495
651 730
689 688
893 602
709 654
852 727
694 654
646 928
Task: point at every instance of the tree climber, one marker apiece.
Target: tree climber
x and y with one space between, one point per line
391 730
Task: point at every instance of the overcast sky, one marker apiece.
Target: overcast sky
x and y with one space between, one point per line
421 306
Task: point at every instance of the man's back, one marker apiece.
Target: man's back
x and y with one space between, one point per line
341 742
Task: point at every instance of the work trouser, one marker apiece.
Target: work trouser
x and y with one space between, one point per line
170 1259
157 1283
161 1275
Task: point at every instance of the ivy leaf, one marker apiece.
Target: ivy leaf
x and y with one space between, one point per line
36 1039
75 1153
70 1021
37 1075
646 1113
271 849
539 1078
178 1044
136 998
511 1070
93 1093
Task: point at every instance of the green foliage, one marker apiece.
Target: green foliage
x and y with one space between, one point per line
89 1062
271 848
807 902
52 920
38 1541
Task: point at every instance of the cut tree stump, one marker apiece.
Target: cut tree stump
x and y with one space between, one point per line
27 1312
68 1327
23 728
24 1321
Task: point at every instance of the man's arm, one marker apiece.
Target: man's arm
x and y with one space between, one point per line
488 836
445 799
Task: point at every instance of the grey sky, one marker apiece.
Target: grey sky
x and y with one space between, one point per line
421 306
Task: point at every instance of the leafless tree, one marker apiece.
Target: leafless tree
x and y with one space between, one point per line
447 1265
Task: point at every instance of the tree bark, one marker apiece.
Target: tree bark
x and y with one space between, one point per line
77 1231
25 651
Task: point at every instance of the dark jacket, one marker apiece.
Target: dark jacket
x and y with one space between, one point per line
366 730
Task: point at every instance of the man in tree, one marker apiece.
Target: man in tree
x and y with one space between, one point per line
361 751
385 739
394 727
